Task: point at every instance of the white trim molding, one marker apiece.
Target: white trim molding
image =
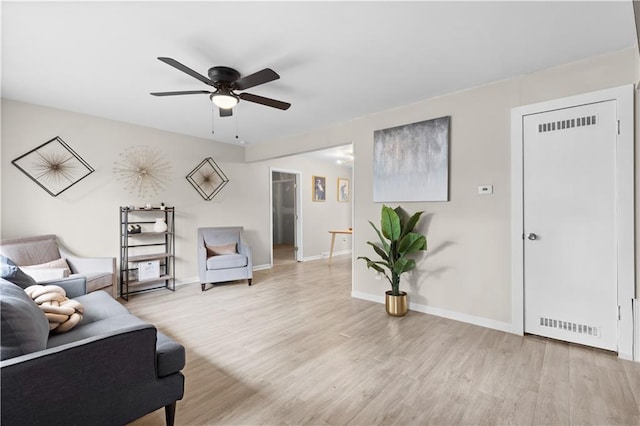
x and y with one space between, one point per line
625 219
444 313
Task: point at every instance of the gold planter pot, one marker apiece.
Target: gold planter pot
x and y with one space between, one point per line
396 306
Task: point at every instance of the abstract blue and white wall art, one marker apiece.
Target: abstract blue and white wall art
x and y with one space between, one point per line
411 162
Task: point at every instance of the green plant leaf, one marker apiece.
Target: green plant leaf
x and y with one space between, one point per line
402 215
412 243
411 223
379 251
403 265
390 224
376 266
384 243
373 265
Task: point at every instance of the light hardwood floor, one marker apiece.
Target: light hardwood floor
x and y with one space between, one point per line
283 253
295 348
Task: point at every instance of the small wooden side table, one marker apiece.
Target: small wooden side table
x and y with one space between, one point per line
333 239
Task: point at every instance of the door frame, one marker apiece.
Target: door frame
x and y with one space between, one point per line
298 218
625 255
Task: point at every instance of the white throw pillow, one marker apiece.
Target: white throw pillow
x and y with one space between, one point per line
45 274
53 270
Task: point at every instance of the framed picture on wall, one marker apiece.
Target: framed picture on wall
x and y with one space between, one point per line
318 189
343 190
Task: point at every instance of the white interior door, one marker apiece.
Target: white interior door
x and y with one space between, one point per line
569 185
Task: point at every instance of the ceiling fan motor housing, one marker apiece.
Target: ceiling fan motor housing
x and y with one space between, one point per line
223 75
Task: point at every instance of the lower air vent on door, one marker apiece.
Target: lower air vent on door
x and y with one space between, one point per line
567 124
572 327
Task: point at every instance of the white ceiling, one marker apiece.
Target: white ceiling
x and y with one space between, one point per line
337 60
342 155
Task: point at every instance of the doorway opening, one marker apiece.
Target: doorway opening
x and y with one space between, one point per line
285 217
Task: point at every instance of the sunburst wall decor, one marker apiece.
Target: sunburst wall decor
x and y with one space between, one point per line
207 178
143 170
54 166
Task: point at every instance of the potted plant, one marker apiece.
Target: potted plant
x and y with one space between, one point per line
397 241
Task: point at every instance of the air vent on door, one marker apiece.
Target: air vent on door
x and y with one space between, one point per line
572 327
553 126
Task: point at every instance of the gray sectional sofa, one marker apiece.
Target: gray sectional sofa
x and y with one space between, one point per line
110 369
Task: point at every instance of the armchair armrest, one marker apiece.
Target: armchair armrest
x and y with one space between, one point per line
107 379
73 286
246 250
202 261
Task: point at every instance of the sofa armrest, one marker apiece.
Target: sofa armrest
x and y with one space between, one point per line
107 379
73 286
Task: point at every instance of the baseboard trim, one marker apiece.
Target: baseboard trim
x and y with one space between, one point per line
444 313
261 267
189 280
635 309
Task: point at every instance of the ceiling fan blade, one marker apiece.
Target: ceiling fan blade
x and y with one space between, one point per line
264 101
226 112
187 92
255 79
186 69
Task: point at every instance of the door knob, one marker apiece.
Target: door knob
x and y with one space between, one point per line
532 236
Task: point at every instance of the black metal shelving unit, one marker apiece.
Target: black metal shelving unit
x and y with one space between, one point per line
147 245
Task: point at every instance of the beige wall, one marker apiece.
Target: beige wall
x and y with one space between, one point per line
85 217
466 271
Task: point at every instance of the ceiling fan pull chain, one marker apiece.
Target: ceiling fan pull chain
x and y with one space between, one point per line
213 115
236 114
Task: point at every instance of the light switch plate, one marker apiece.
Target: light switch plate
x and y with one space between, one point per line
485 189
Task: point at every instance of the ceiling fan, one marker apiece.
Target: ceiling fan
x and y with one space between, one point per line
226 81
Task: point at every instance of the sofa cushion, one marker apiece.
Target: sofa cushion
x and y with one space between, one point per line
24 327
12 273
227 261
31 250
221 236
96 328
170 355
100 305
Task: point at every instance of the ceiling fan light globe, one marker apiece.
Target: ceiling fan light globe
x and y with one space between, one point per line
224 101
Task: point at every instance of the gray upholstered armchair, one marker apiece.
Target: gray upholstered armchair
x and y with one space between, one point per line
223 255
100 272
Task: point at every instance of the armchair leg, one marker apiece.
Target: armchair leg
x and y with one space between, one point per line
170 413
202 286
249 279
